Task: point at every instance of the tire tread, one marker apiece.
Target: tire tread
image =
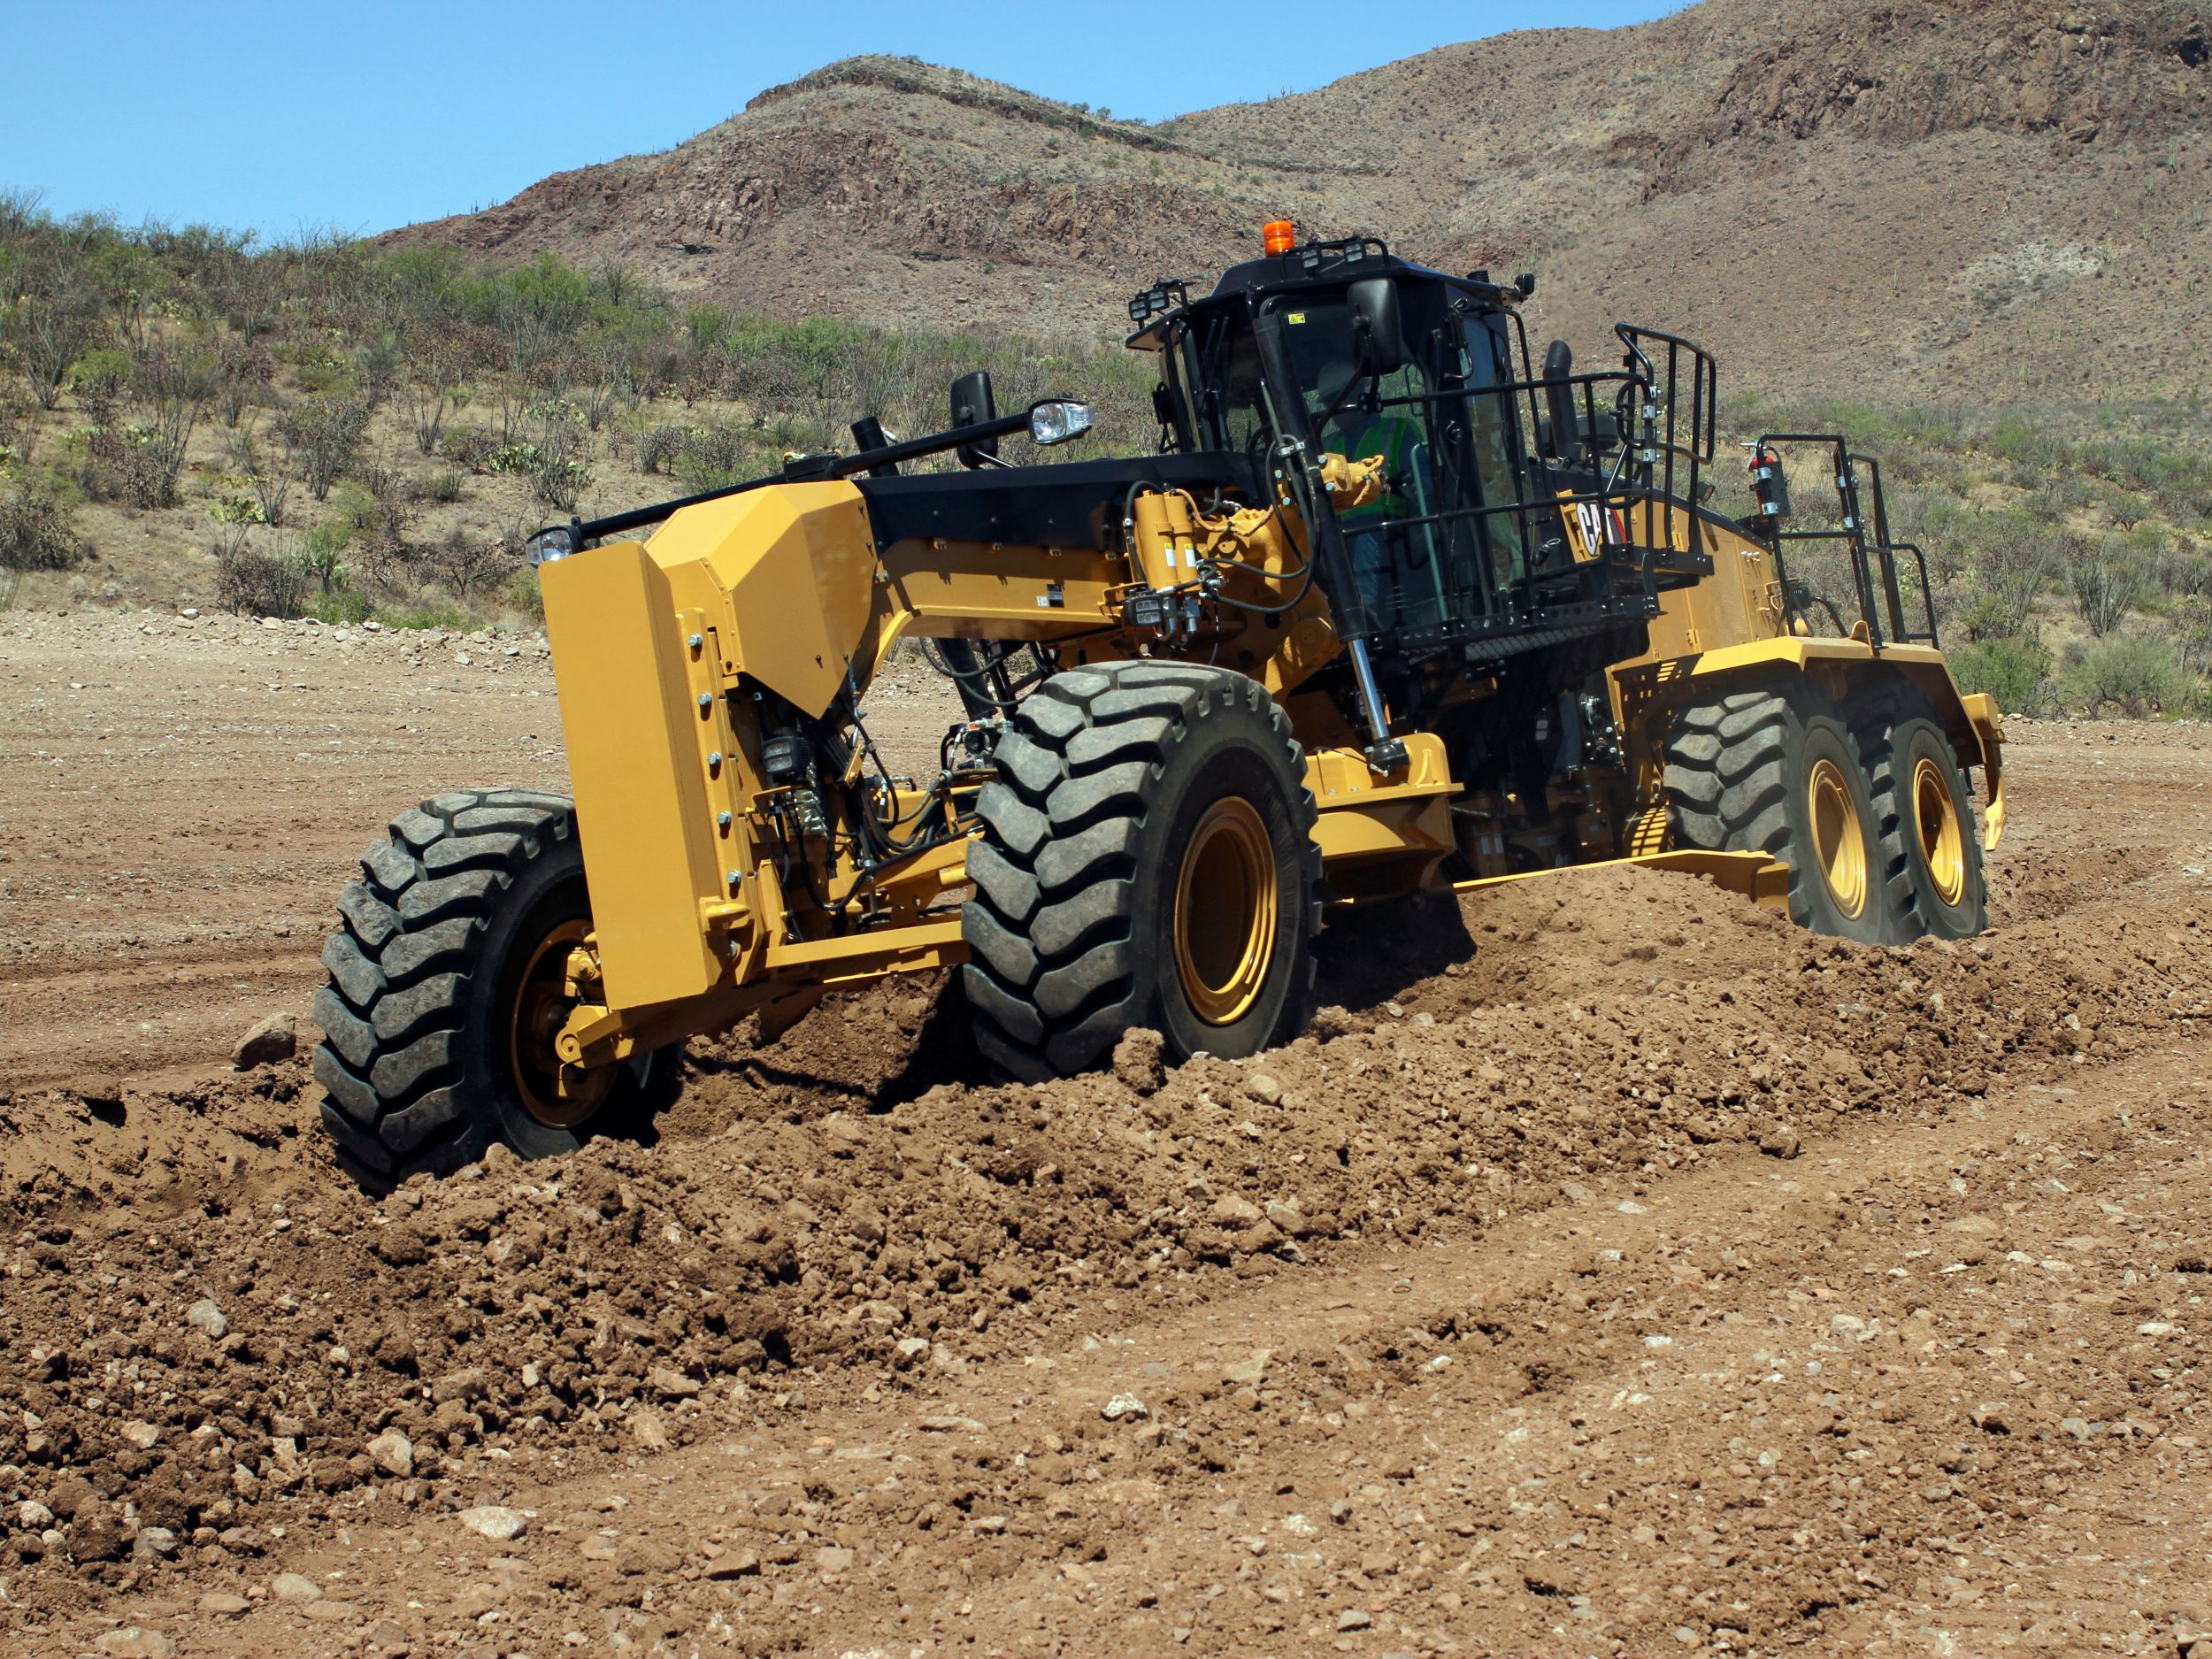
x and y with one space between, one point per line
400 966
1052 982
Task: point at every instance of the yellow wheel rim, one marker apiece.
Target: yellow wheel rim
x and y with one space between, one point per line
559 1096
1942 841
1838 838
1225 911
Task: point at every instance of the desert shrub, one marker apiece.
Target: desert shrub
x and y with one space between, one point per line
2134 674
708 327
427 401
376 368
321 376
557 466
255 582
522 593
465 562
103 372
237 509
322 434
471 447
2035 450
137 455
2193 632
243 380
271 484
715 456
170 390
2058 499
54 324
2126 508
603 385
434 614
384 507
660 449
2014 671
2012 560
38 530
320 555
2108 584
560 481
345 606
442 487
18 438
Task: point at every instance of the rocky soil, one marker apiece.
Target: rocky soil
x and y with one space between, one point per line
1611 1268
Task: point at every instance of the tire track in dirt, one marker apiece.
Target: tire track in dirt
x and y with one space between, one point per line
837 1236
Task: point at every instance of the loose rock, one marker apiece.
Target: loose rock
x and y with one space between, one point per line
135 1641
402 1246
910 1351
393 1453
1230 1210
496 1522
740 1563
273 1039
1139 1060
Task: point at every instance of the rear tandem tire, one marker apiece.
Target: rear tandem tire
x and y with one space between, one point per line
1930 857
1771 768
462 913
1146 860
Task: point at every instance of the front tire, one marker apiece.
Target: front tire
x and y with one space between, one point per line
448 985
1930 857
1146 860
1772 769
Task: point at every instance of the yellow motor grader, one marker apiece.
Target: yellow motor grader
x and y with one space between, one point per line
1391 607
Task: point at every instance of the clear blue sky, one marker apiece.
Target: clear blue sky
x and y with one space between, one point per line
358 116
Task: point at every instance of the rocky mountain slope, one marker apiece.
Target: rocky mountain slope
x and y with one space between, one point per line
1901 198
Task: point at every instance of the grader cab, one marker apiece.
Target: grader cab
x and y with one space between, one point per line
1391 607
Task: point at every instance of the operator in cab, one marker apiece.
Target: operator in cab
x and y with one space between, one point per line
1385 557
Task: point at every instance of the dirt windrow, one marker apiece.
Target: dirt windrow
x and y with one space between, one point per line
206 1332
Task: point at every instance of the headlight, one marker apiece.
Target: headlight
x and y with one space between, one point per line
1057 422
549 546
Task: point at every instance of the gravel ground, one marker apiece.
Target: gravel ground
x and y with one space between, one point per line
1612 1269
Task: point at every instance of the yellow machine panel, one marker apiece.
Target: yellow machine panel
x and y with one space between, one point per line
627 712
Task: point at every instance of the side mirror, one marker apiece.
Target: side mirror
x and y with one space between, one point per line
1379 340
971 405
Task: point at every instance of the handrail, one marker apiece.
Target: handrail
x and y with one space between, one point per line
1873 558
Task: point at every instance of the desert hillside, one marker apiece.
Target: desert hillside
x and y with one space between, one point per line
1970 232
1927 199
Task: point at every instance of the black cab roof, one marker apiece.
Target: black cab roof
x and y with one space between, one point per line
1313 265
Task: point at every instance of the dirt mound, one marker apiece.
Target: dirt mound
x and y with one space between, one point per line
1988 159
209 1334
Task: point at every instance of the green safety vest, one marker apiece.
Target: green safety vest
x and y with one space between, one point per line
1393 438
